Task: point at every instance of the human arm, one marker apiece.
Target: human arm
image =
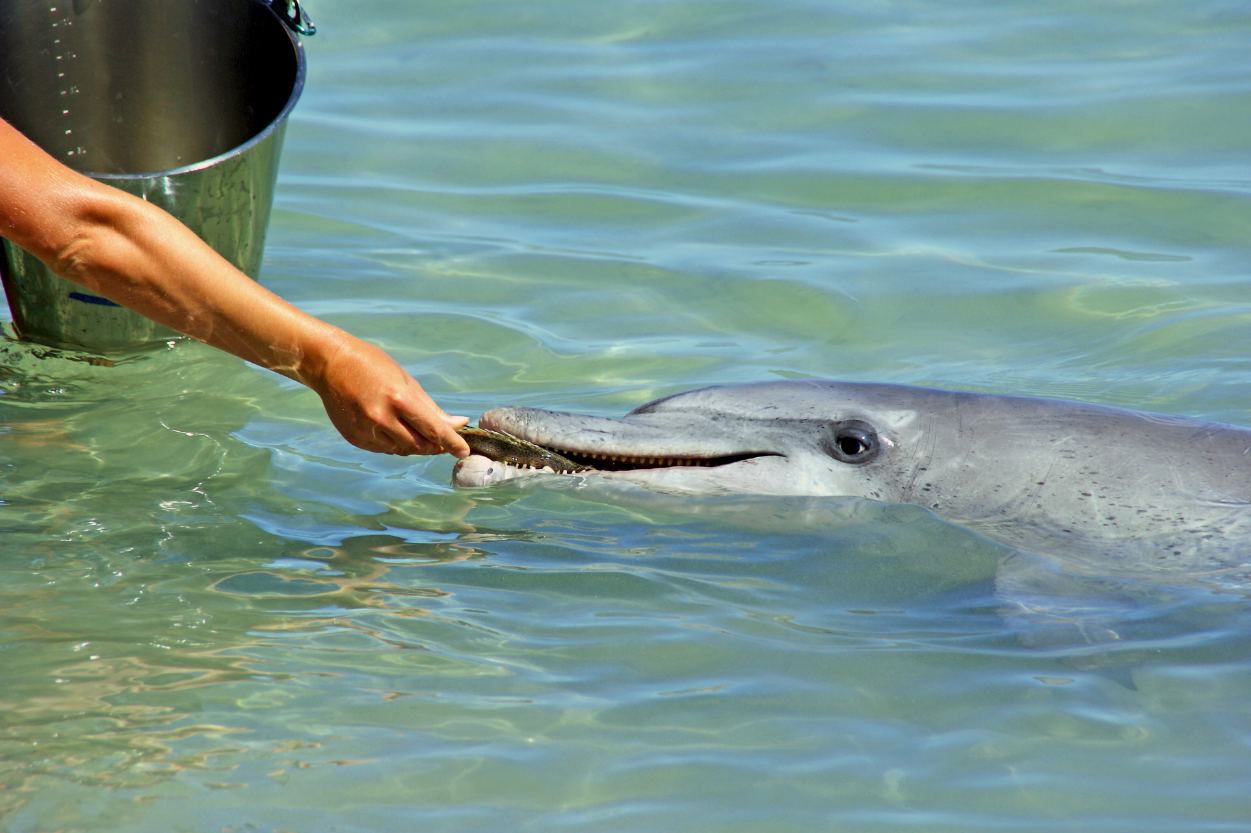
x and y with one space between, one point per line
135 254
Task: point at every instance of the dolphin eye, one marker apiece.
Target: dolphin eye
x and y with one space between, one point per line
853 441
851 445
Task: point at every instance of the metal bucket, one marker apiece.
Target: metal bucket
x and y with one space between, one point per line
181 102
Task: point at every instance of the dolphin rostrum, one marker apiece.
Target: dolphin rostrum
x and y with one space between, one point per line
1121 492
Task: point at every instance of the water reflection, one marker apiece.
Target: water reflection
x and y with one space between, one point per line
585 207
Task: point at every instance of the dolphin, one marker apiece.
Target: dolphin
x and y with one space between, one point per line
1117 492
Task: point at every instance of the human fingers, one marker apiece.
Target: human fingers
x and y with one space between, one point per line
419 426
458 447
432 431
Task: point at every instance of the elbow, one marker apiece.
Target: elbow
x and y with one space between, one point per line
73 259
68 230
88 246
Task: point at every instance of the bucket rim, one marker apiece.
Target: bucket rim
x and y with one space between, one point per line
262 135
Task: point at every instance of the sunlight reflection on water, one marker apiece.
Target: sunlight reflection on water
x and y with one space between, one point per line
218 615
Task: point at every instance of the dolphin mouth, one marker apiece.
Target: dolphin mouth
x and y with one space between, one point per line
574 444
625 462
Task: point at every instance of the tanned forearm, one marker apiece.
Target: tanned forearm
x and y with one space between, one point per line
136 255
142 258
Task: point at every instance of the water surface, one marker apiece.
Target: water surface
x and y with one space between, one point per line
219 616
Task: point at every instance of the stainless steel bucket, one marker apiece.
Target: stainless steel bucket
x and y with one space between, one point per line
181 102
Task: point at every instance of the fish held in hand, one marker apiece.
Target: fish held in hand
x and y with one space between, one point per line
516 452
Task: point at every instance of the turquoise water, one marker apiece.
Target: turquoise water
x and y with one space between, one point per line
218 616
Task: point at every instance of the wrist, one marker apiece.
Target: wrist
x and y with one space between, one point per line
314 360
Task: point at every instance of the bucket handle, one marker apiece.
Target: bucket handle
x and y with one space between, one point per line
294 16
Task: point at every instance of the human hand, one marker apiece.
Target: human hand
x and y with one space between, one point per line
378 406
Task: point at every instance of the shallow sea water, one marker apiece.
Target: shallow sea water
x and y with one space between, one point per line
218 616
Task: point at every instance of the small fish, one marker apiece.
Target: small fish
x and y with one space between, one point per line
517 452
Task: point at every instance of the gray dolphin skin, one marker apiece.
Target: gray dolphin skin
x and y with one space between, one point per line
1120 492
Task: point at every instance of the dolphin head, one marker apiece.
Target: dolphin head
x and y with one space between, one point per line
1114 490
774 438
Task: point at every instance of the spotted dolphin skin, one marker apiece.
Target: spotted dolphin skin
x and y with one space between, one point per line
1122 492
